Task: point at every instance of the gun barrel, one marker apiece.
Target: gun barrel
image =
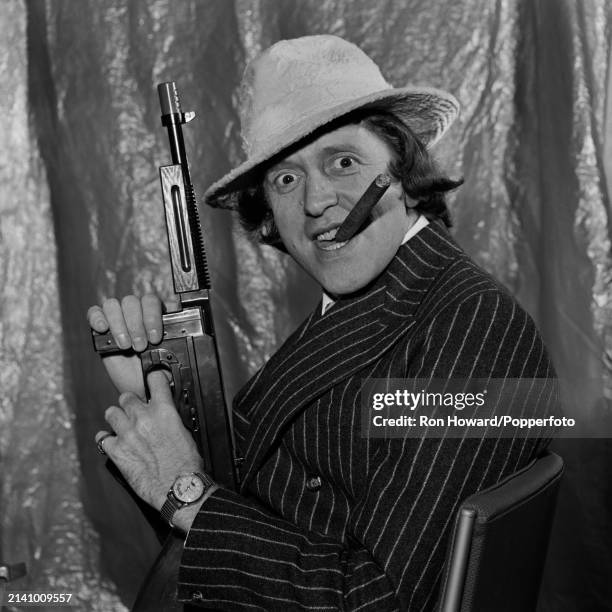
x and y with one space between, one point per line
182 217
172 119
169 100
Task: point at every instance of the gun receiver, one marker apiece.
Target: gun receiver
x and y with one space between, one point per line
189 347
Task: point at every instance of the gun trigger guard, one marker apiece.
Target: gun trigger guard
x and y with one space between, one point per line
161 358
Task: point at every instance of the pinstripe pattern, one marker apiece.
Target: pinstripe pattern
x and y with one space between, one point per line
373 537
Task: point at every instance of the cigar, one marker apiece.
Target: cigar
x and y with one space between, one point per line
359 215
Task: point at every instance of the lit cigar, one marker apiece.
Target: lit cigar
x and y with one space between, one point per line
358 216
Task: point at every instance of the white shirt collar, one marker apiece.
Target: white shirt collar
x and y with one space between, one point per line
415 228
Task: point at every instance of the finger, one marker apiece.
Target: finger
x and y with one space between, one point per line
96 319
159 387
103 433
114 315
152 317
104 439
132 313
117 419
131 404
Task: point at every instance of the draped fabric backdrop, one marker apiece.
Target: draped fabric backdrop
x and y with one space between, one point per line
81 220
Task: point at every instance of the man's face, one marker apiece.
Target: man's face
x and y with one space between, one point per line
313 190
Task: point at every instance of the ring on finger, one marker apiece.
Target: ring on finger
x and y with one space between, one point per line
101 440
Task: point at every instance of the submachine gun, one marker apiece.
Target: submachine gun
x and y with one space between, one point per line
189 347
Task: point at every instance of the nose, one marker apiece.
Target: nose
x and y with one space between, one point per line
319 195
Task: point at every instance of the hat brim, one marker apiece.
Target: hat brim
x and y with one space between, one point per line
428 112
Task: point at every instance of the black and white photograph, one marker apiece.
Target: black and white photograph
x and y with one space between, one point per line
306 305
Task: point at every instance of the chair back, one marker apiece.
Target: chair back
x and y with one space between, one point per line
497 553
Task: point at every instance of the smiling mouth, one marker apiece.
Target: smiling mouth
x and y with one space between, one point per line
326 240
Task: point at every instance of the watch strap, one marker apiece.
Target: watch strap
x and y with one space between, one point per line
171 505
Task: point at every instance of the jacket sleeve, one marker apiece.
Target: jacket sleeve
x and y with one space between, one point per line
240 556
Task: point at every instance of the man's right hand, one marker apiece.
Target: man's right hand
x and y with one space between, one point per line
134 323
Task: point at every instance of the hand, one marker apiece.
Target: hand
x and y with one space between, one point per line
133 323
151 446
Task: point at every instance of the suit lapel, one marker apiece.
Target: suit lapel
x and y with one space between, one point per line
327 349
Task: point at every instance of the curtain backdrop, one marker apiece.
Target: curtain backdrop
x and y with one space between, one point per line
81 220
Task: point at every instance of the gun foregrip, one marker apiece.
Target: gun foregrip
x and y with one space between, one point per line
105 344
187 322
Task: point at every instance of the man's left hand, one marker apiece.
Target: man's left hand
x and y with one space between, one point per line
151 446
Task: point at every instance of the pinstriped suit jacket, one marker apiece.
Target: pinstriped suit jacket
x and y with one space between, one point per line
373 535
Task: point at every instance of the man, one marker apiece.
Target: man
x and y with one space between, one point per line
326 517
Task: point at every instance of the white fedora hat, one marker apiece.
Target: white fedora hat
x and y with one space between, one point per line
298 86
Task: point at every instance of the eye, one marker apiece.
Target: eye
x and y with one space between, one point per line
344 164
285 181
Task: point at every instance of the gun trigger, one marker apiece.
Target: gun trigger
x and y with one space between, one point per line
188 116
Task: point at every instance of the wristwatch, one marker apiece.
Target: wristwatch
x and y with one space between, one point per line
187 489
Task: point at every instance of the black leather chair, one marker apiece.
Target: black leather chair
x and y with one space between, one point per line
496 557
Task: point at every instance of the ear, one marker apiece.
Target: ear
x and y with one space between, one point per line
409 202
270 235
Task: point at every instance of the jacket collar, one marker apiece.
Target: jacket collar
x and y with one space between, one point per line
354 332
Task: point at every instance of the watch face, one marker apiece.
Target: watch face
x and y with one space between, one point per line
188 488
